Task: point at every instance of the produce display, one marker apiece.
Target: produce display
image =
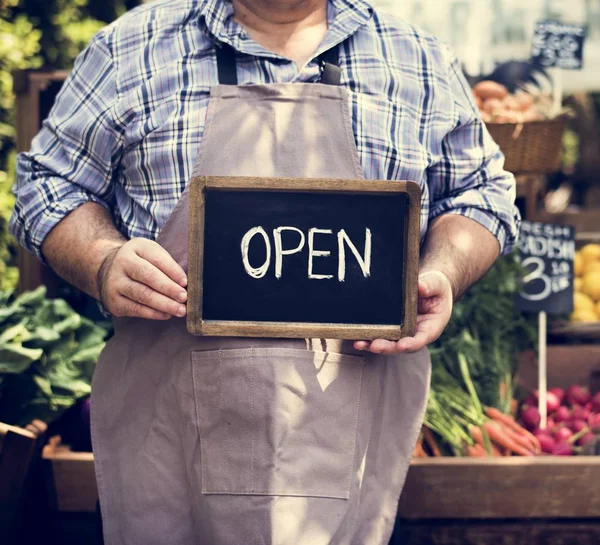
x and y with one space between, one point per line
497 105
573 425
587 285
47 356
474 363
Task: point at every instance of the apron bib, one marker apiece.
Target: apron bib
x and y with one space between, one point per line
230 441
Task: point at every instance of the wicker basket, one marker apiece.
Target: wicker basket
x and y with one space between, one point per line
530 148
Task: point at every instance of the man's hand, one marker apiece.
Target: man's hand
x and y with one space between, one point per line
140 279
435 309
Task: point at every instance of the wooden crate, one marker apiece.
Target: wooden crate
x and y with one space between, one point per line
502 488
70 478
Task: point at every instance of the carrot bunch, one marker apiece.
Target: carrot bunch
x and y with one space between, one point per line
504 437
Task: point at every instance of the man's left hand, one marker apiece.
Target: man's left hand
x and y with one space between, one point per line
435 309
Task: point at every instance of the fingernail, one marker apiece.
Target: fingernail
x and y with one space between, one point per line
183 282
181 312
182 297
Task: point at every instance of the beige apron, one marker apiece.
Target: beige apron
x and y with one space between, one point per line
233 441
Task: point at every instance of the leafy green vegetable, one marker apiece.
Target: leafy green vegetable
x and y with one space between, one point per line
47 356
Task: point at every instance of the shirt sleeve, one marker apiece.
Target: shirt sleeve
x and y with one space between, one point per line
470 179
72 158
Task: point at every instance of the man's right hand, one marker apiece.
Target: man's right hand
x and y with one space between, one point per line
140 279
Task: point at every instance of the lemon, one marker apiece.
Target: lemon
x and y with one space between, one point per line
591 267
584 316
582 302
590 252
578 284
598 308
591 285
579 264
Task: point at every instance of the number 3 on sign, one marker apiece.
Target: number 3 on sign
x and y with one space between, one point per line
536 274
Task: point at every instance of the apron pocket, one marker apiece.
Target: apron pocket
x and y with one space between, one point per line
277 421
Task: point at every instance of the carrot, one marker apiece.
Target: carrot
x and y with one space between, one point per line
431 442
477 451
477 435
510 422
498 435
495 451
419 451
506 452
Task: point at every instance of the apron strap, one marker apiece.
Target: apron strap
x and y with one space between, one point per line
329 62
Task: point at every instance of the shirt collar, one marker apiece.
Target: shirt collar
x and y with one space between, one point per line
345 17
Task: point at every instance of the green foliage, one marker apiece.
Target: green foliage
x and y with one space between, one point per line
36 33
48 353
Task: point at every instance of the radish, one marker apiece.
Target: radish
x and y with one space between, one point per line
559 393
586 439
550 424
578 425
546 441
552 402
594 422
562 434
562 414
577 395
580 413
562 449
530 417
596 403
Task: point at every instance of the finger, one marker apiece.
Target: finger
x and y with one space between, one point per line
146 273
361 345
127 307
414 344
382 346
145 295
160 258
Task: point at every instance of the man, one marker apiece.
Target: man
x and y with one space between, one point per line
228 441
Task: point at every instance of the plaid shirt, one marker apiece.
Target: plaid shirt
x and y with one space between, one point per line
127 125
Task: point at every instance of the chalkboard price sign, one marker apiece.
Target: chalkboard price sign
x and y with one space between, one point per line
547 253
559 45
281 257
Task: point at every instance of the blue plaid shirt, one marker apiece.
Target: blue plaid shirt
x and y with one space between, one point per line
127 125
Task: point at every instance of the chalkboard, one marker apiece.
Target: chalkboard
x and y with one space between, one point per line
303 258
560 45
547 253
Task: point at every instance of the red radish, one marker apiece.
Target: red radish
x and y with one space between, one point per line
594 422
562 434
596 403
546 441
559 393
562 414
586 439
562 449
577 395
580 413
530 417
578 425
552 402
550 424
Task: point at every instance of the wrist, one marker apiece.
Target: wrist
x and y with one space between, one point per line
425 271
103 253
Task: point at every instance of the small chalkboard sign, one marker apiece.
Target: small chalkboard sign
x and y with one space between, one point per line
282 257
560 45
547 253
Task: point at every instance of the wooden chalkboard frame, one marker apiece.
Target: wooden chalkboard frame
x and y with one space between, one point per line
196 325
